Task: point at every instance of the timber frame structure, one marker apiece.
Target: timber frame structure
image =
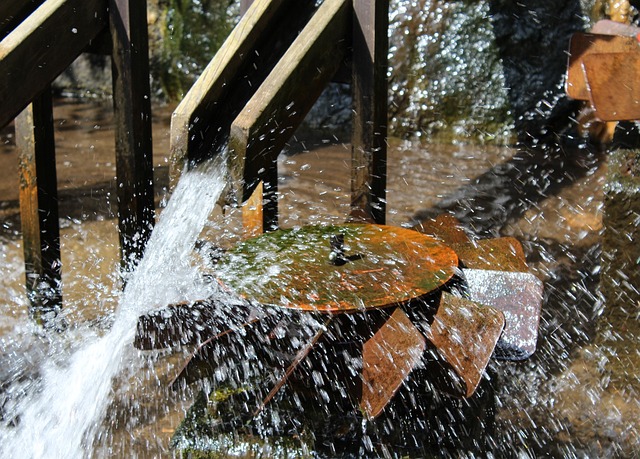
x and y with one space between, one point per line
40 39
264 80
250 99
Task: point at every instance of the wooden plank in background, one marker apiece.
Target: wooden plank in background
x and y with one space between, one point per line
42 46
39 208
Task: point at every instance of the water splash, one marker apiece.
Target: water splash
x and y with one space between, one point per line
62 419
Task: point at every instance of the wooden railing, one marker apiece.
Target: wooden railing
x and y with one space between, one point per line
264 80
40 39
250 99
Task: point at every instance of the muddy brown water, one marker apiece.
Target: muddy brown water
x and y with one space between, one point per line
574 397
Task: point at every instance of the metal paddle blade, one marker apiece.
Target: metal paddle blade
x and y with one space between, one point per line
387 359
519 297
503 254
302 354
584 44
465 334
614 85
445 228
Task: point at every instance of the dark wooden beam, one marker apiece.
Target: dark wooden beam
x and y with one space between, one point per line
13 12
132 106
280 104
39 208
42 46
369 86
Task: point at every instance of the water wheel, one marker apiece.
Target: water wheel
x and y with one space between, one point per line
355 308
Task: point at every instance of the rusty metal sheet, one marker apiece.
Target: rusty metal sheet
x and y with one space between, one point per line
499 254
465 334
584 44
444 228
302 268
519 297
614 85
387 359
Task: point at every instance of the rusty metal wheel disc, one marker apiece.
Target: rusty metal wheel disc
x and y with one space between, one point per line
376 266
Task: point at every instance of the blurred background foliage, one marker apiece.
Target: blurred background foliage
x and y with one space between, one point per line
444 75
455 66
184 35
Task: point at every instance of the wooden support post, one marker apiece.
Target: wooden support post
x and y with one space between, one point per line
369 86
39 208
132 105
260 211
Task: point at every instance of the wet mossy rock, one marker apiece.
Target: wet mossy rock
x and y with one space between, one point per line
619 329
203 435
621 239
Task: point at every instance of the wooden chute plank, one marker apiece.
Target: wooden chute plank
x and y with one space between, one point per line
614 85
201 122
42 46
280 104
584 44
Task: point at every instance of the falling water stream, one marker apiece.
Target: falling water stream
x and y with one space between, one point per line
62 419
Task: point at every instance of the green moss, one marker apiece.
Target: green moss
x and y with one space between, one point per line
203 434
185 36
